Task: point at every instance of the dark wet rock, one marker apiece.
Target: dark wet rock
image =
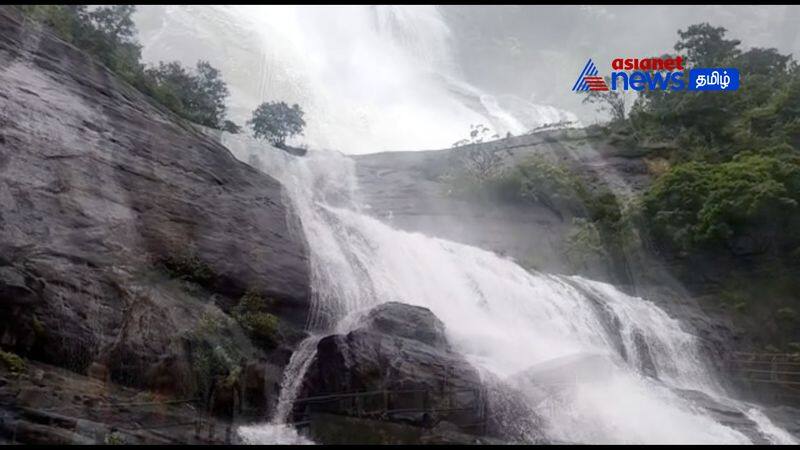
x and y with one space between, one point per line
47 405
398 348
401 357
645 357
337 429
726 415
296 151
260 388
786 417
129 235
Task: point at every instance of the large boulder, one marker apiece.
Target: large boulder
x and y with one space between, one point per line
403 369
129 236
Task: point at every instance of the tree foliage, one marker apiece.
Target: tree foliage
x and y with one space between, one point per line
750 204
477 134
611 102
276 122
734 184
705 45
197 95
714 127
109 34
231 127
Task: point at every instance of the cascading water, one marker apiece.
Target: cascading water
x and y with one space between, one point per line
368 77
507 321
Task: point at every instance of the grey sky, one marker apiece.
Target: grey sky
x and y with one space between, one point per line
537 50
393 77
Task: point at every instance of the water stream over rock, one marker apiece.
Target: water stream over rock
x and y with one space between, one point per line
601 366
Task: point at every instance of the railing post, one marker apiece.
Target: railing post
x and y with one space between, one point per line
774 369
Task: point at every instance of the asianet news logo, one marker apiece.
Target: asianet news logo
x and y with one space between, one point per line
666 74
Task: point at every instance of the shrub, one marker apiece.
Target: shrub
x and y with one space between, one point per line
539 181
190 268
197 95
231 127
214 350
252 316
113 439
584 244
13 362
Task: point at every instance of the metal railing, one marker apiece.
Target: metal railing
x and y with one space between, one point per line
777 369
388 404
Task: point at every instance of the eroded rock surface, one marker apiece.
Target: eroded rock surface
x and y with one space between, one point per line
128 237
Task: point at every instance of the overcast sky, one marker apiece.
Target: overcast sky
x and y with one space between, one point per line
537 51
373 78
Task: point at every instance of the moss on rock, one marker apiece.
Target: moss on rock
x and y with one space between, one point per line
13 362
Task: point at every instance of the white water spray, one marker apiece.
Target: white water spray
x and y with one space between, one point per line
369 78
507 321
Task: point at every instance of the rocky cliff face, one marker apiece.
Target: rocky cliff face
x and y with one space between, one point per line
128 237
410 191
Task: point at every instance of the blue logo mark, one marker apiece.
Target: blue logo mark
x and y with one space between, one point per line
588 80
714 79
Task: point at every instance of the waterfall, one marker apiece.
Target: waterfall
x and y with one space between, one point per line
368 77
630 368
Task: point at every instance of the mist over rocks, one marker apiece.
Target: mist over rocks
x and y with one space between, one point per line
409 190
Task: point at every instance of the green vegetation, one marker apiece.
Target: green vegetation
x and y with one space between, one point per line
215 351
750 204
231 127
734 183
108 34
113 439
763 113
727 192
612 102
257 322
787 314
38 328
188 267
584 244
277 121
13 362
539 181
602 228
197 95
533 181
730 178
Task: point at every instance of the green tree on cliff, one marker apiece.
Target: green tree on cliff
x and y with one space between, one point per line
276 122
197 95
109 34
